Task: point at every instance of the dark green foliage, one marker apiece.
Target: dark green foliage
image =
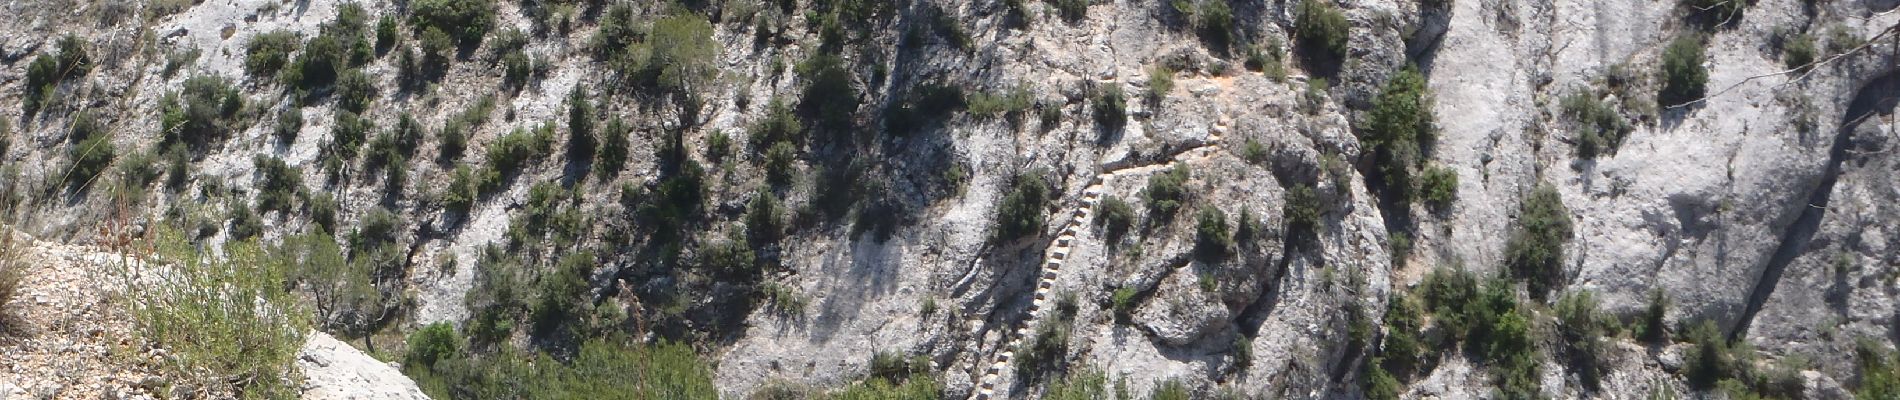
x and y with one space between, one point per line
377 229
1022 212
84 126
1160 82
1879 372
1600 128
1684 77
1044 351
41 77
455 133
338 47
1170 390
829 96
1071 10
1581 327
1215 20
1716 12
1396 128
279 185
778 163
1535 250
608 369
1009 103
244 223
1117 217
201 114
515 69
1122 302
467 20
464 188
354 90
90 158
618 30
437 48
386 154
1448 294
267 53
581 140
74 59
1166 193
1797 51
922 104
550 209
1379 383
729 256
1111 109
764 219
432 343
1714 358
348 132
718 146
289 122
510 153
323 211
1212 240
1301 210
1653 328
1321 31
385 32
1404 351
779 125
1438 186
615 148
560 293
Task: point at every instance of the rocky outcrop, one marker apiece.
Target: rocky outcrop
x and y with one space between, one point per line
332 370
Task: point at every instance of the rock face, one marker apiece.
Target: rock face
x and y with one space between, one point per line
333 370
1767 208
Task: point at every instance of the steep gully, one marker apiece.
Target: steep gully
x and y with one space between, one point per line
1880 95
1058 253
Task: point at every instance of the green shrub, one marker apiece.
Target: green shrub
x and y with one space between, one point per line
1684 77
1111 110
464 188
730 256
1449 293
718 146
204 112
289 123
1399 122
348 132
1321 31
1166 193
510 153
1797 51
1022 212
560 293
1122 302
455 132
1212 241
1301 210
42 75
779 125
615 148
618 30
1600 128
437 49
267 53
228 322
1071 10
1879 370
74 58
1438 186
279 185
601 368
1581 327
385 32
1840 40
432 343
778 163
323 210
764 219
1161 80
1714 358
1170 390
581 140
467 20
1716 12
90 158
515 69
1535 252
1045 351
1379 383
1404 351
354 90
1010 103
828 95
1215 20
13 266
1117 217
1653 328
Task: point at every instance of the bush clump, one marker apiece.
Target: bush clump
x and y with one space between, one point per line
1023 210
1535 251
90 158
204 112
1797 51
1111 109
1397 128
467 20
1438 186
1684 77
1600 128
1167 192
509 153
1321 31
1117 217
1212 241
267 53
229 321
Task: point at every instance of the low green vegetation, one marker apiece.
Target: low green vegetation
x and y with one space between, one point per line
1438 186
1321 31
1600 128
1166 193
1023 210
267 53
1797 51
1116 218
203 113
1111 109
1398 128
46 71
1684 78
229 321
467 20
1213 242
1535 250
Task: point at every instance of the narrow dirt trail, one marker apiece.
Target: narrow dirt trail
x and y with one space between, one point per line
1063 245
